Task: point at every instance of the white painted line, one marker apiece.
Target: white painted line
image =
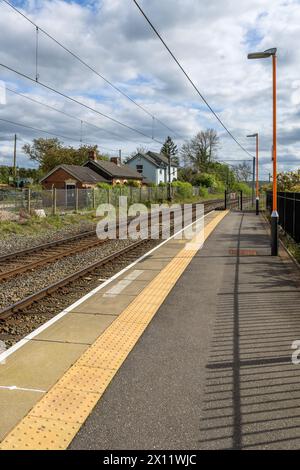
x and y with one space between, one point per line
14 387
118 288
53 320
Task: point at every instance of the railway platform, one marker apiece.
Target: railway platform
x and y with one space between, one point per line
185 349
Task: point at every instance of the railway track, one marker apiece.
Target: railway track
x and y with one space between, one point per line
29 259
55 287
14 264
78 280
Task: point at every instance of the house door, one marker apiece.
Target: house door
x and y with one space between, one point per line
70 195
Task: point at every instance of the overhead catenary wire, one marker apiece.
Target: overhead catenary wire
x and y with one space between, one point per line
116 121
53 108
71 139
189 78
83 62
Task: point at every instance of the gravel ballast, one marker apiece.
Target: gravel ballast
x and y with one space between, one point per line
26 284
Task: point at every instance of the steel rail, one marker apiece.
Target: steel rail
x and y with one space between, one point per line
21 304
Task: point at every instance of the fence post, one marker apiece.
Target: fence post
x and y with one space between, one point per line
94 198
130 194
54 201
294 215
140 193
29 201
284 211
225 200
76 199
241 196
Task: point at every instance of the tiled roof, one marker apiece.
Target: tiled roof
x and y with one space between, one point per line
158 159
116 171
84 174
81 173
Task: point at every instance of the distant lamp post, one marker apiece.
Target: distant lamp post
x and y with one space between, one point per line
274 217
257 179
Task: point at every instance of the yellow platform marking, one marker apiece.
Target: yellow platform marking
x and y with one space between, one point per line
56 418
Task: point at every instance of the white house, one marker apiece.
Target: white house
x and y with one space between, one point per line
153 166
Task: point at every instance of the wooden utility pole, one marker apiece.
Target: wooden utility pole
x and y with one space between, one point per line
15 159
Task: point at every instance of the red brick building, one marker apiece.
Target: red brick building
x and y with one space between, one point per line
89 175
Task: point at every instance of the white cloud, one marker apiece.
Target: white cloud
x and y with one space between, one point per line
210 39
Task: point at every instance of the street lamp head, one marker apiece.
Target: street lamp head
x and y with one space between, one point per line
263 55
253 135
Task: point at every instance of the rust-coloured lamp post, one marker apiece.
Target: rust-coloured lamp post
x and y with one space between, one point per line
274 216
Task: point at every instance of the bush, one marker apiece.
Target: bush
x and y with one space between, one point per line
220 187
133 183
203 192
104 186
205 179
184 190
35 187
242 187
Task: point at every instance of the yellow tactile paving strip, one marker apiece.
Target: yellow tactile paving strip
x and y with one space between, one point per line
56 418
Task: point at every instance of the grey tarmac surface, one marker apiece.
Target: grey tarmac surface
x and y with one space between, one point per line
213 370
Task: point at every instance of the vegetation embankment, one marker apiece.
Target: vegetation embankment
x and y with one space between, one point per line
39 226
290 244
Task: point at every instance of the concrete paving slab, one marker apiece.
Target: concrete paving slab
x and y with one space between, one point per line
126 287
166 252
98 304
156 265
147 275
77 328
39 364
14 405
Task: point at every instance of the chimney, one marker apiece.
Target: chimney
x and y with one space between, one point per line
93 155
116 160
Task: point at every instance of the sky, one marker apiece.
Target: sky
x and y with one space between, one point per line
211 41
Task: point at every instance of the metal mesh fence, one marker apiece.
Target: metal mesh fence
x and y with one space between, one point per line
59 201
237 200
12 200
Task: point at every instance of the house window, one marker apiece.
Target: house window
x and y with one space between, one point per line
160 172
139 168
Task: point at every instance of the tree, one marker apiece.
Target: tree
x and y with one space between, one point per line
201 150
243 172
186 174
170 148
139 149
50 153
289 181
